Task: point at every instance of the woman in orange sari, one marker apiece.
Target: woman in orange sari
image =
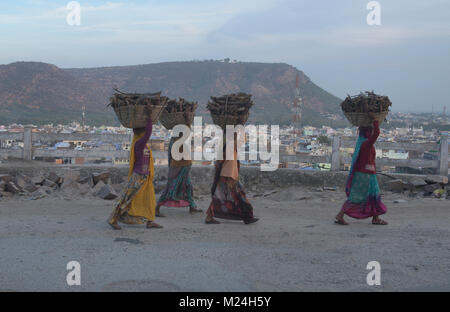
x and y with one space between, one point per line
229 200
137 204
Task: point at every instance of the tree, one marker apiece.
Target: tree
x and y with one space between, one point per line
324 140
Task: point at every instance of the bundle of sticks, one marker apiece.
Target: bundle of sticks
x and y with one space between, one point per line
366 102
182 105
231 109
179 112
124 99
233 104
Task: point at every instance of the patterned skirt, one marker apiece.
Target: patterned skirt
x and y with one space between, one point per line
178 191
229 201
120 212
364 200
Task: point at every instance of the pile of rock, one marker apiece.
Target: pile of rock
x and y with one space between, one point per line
428 186
71 185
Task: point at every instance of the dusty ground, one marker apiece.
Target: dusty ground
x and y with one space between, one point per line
294 247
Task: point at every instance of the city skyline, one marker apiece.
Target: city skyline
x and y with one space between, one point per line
406 57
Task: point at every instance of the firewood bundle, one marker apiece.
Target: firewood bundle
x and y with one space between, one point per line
179 112
356 108
182 105
131 108
232 109
366 102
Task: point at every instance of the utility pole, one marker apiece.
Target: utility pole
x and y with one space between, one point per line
83 115
297 110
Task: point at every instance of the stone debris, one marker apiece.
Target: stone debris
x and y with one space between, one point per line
50 184
396 186
71 185
84 189
400 201
6 194
267 194
37 195
11 187
430 188
47 190
5 178
435 179
25 183
55 178
417 182
82 179
102 176
21 180
427 186
74 184
37 180
107 193
97 188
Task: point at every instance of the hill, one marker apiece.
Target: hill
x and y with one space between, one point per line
33 92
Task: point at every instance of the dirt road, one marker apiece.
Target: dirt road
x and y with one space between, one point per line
294 247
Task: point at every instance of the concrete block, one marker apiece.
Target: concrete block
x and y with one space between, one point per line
432 179
396 186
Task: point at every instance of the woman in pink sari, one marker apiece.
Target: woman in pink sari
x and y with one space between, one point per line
363 192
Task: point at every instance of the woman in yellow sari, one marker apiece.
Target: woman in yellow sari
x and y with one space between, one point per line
138 201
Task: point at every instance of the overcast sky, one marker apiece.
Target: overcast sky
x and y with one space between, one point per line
407 57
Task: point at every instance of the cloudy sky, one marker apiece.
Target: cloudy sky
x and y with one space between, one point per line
407 57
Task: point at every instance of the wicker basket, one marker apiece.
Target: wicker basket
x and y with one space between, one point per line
170 120
135 115
224 120
363 119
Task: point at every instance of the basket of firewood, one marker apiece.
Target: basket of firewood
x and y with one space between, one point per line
179 112
357 108
231 109
131 108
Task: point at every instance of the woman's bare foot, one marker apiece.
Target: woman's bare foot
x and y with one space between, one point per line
340 220
194 210
115 226
153 225
211 220
378 221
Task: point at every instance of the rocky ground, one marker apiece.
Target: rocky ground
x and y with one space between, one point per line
294 247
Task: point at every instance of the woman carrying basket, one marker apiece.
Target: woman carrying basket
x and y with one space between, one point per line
137 204
178 191
363 192
228 196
